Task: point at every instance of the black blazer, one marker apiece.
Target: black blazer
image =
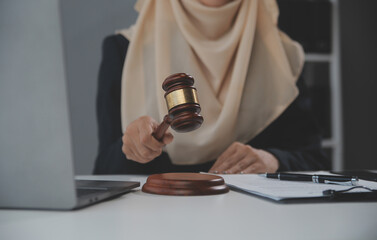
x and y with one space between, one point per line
293 138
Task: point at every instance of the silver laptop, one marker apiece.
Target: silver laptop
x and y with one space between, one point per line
36 163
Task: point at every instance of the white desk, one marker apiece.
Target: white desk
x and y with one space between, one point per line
230 216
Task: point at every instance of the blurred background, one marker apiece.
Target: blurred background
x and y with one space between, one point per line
339 38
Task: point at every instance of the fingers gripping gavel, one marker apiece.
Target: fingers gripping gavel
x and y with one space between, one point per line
183 106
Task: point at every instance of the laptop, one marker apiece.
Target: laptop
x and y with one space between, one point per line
36 160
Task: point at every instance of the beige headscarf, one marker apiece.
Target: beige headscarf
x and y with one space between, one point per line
245 69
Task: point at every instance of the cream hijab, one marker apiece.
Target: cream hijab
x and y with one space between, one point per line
244 68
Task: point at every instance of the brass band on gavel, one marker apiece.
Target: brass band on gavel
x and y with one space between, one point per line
181 96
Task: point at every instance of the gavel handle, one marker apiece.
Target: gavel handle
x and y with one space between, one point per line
161 129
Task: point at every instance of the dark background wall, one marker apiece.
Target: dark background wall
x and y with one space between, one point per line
359 81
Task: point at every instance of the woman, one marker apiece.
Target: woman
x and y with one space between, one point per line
246 72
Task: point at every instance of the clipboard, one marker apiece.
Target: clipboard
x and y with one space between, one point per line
298 192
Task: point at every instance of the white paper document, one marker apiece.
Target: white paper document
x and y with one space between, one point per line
280 190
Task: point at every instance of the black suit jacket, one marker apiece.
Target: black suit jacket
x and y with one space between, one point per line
293 138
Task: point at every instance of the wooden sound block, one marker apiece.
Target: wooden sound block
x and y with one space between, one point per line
185 184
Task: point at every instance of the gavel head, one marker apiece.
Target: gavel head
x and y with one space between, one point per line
182 102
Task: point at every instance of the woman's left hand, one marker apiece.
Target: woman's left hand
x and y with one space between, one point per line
242 158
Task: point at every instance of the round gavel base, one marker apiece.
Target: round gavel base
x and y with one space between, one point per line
185 184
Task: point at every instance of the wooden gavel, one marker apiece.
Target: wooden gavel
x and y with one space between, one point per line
183 106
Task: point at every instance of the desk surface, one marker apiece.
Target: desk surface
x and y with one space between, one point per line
139 215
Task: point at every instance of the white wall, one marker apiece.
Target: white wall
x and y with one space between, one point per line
85 24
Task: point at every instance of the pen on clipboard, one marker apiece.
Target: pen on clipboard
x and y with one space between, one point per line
329 179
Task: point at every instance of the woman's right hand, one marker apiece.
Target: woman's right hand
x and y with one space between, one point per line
138 143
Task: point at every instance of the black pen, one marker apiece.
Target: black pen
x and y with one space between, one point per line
329 179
